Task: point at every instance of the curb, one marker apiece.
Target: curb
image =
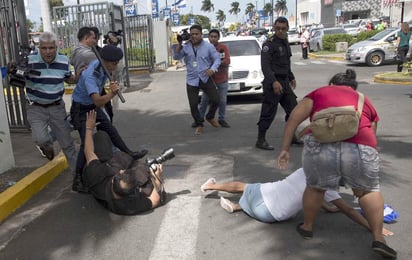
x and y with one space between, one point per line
382 79
329 57
15 196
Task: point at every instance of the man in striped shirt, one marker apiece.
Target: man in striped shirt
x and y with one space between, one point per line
44 95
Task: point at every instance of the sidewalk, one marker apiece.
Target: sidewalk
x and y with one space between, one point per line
386 78
39 170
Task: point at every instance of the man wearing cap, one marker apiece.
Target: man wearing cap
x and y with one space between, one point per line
86 97
44 94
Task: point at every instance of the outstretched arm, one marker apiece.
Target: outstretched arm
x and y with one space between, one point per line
356 216
88 139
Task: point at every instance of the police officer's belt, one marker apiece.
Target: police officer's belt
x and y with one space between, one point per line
55 103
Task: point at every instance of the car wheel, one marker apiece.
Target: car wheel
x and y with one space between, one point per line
317 47
375 58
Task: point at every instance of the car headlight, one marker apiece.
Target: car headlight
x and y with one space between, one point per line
361 49
254 74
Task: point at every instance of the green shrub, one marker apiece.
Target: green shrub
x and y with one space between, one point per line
365 35
329 41
66 51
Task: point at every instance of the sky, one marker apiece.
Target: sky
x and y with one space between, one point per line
194 5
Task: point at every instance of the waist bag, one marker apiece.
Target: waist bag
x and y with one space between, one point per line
336 124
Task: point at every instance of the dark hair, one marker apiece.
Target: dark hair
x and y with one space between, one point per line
215 31
96 31
281 20
83 32
130 182
348 79
196 26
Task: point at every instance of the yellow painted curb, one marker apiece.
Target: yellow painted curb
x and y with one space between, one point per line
387 81
15 196
311 55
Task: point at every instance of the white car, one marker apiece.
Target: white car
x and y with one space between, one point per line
245 73
293 37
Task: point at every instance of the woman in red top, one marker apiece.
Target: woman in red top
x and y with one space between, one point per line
353 162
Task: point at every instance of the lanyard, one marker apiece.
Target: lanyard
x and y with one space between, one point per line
194 51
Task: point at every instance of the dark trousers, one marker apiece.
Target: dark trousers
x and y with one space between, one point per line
270 104
402 52
104 125
209 88
304 51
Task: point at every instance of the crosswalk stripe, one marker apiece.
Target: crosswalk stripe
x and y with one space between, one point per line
300 63
177 236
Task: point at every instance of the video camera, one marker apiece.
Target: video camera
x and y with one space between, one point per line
184 35
164 156
19 70
113 37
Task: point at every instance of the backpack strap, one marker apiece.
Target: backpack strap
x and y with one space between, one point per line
361 100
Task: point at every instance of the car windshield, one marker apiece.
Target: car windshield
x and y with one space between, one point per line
243 48
383 34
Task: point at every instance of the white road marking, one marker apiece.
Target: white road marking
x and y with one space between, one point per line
177 236
317 62
300 63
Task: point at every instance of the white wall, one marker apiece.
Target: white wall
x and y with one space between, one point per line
312 7
6 152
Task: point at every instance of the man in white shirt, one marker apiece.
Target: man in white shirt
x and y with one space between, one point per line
304 42
279 200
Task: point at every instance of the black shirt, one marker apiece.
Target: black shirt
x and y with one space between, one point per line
275 60
98 177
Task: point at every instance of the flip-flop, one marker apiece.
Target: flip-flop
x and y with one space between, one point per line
226 205
384 250
210 180
304 233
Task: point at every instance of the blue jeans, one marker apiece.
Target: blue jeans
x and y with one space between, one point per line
222 89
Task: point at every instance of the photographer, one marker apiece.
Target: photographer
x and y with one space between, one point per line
87 96
122 185
202 62
44 93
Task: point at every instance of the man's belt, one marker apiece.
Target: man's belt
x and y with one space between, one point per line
55 103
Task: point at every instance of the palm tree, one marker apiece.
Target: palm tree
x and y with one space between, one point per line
280 7
250 9
207 6
220 16
267 10
234 8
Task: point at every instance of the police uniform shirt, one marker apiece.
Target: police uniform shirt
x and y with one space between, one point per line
91 81
275 60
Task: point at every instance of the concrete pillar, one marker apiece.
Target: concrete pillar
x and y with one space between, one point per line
6 152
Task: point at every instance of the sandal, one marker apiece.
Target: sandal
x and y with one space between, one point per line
203 187
225 204
384 250
304 233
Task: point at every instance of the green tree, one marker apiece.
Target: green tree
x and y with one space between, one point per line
207 6
30 25
220 17
280 7
202 20
267 9
250 9
234 8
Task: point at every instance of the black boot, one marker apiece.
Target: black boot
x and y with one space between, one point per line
261 142
138 154
78 185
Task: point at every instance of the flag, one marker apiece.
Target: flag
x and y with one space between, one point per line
180 4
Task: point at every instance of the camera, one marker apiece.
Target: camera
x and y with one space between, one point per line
184 35
19 70
164 156
113 37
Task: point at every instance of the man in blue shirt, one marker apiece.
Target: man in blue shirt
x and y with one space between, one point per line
202 61
87 96
44 94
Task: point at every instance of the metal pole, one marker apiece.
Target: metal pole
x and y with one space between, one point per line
296 14
271 17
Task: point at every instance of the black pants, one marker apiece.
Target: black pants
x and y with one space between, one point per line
270 104
210 89
78 113
304 51
402 52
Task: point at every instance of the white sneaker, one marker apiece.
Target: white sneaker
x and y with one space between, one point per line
41 151
226 205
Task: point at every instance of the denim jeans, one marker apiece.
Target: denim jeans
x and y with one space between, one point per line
222 89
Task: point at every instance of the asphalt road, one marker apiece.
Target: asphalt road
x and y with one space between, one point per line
66 225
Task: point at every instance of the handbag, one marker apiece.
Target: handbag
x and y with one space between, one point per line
335 124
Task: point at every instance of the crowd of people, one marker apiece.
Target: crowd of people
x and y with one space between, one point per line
108 169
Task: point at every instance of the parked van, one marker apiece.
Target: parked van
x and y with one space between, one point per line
315 41
375 50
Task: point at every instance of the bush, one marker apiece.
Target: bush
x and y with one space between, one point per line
365 35
329 41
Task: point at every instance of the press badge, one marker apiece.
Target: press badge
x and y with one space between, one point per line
194 64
